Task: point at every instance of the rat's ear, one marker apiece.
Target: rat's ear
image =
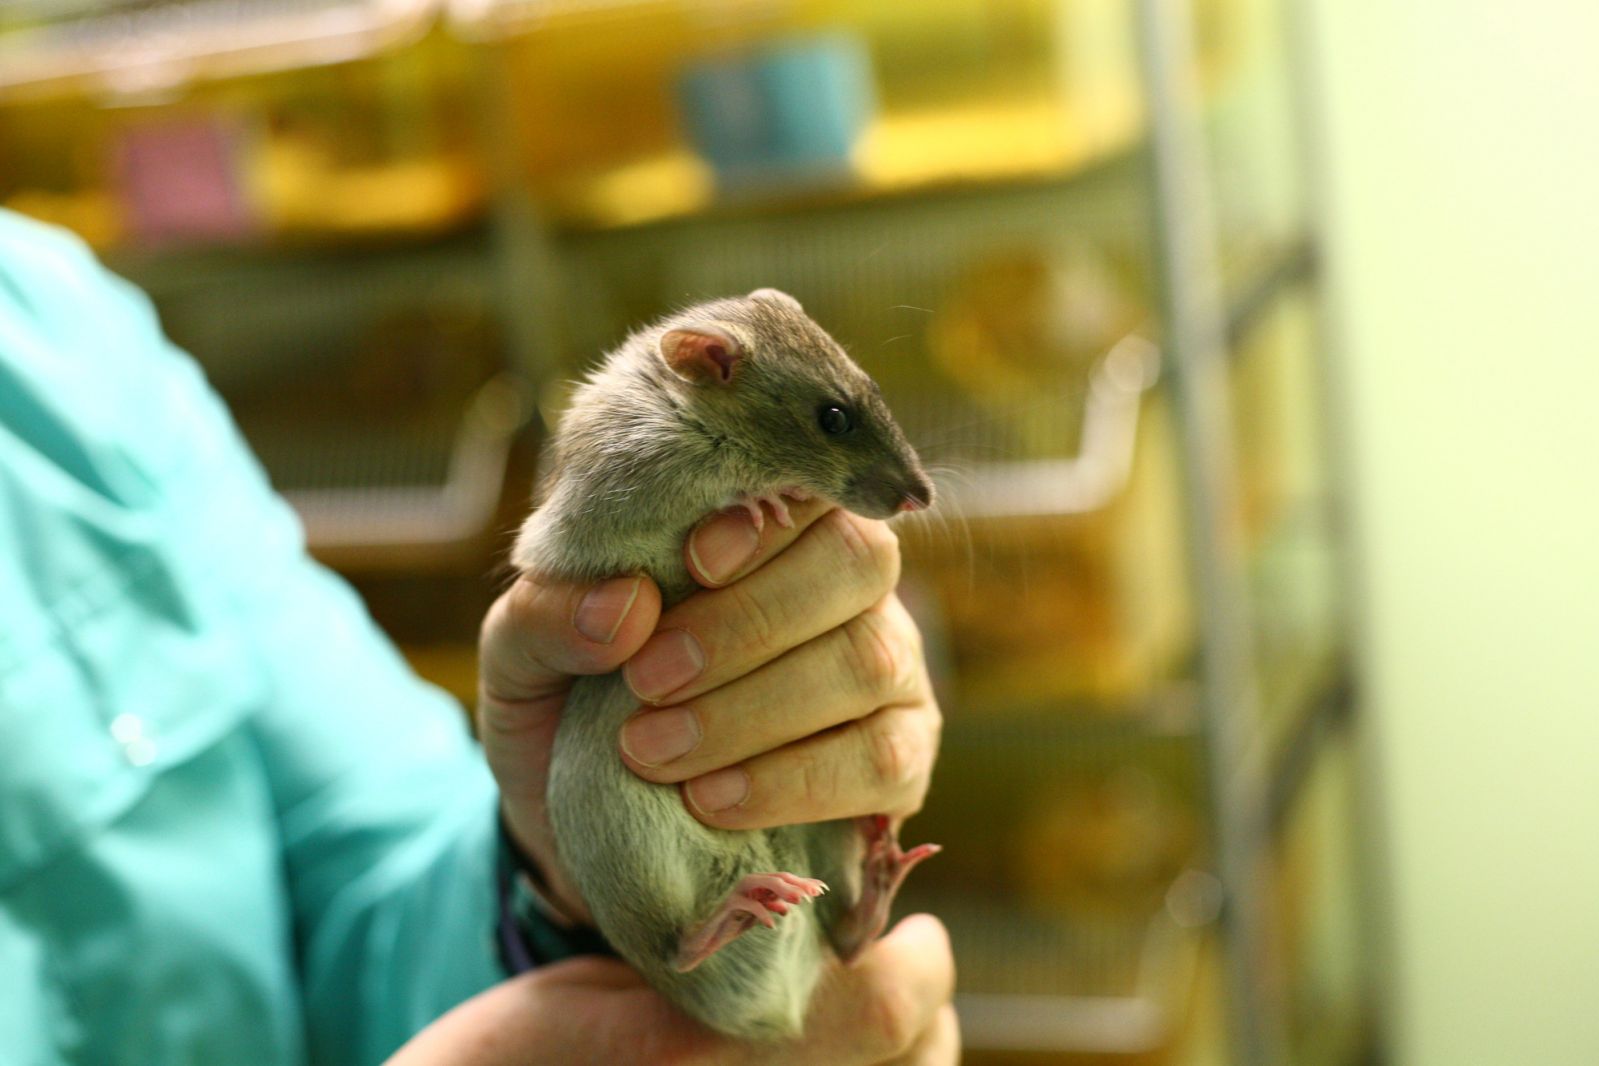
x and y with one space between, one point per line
701 353
777 296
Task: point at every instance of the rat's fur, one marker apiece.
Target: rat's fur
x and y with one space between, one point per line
642 454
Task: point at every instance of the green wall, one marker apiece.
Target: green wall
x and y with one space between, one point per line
1461 149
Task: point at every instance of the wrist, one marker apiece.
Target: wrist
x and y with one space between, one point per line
532 851
534 928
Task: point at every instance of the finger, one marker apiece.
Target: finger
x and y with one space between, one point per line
594 971
870 661
534 637
838 567
881 1006
538 634
608 1008
579 1011
940 1045
727 545
878 765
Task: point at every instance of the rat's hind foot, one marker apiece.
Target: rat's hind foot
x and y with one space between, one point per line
754 899
777 500
882 873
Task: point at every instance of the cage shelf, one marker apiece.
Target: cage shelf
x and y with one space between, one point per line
152 47
434 494
1034 982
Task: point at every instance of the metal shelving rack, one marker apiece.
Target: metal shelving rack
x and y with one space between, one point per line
1195 324
1253 771
1255 774
1132 988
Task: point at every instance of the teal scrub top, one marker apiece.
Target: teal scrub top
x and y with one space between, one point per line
234 826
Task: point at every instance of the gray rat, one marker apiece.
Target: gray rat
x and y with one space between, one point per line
738 401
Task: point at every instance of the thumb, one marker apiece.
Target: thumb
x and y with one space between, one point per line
539 634
535 638
890 999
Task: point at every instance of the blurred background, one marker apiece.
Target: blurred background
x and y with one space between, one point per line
1252 341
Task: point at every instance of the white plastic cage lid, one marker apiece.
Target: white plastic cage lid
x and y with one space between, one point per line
143 46
486 19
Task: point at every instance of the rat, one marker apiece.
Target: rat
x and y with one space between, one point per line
743 401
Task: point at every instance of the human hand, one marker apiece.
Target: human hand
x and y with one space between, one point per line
811 699
892 1005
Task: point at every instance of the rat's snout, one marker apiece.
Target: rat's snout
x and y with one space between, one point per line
916 494
884 493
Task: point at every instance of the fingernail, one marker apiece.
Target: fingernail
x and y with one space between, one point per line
723 545
668 661
601 613
720 790
656 737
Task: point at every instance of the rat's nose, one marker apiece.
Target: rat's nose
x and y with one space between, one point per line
917 497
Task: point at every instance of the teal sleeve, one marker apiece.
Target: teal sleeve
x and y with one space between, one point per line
384 813
387 818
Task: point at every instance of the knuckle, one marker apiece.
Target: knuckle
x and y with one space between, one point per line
757 625
871 546
817 781
891 1018
903 623
523 602
876 655
891 752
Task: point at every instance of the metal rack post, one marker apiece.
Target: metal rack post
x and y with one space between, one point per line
1369 840
1194 319
528 269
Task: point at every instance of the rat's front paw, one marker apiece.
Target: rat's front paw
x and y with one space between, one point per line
756 898
777 500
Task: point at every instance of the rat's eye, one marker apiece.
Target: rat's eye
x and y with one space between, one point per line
834 419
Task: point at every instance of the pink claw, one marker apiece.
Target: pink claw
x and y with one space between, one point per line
809 885
755 898
752 504
777 500
780 511
790 888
